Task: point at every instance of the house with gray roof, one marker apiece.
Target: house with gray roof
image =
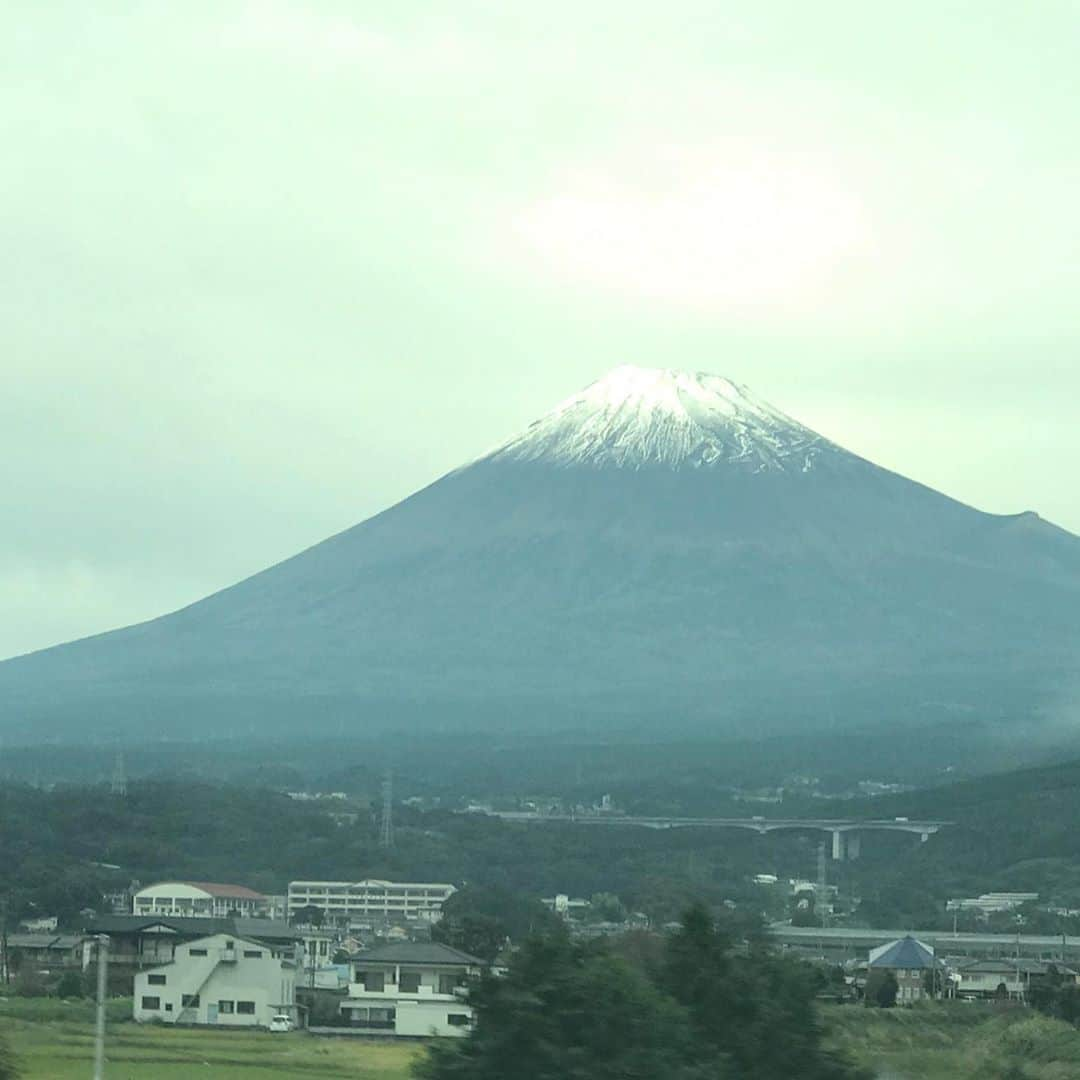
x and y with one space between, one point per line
141 941
411 989
1010 979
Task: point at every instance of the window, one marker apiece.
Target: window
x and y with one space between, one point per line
409 982
196 952
246 1008
189 1001
225 1008
458 1019
156 980
168 1006
151 1003
373 981
447 983
253 954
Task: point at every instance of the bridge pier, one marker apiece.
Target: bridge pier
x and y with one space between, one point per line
846 844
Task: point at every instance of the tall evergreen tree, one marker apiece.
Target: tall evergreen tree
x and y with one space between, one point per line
752 1006
568 1011
572 1012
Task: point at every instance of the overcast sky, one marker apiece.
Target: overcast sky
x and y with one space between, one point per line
271 266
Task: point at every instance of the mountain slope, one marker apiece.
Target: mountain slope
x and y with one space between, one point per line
662 546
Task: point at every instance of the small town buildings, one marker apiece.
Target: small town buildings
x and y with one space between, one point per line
1005 979
992 902
911 962
565 906
346 902
41 952
317 946
335 977
146 941
413 989
200 899
45 925
222 980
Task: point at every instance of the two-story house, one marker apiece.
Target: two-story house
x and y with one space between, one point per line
222 980
411 988
146 941
917 970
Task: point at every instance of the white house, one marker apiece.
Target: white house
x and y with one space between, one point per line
345 902
411 988
223 980
200 899
1002 978
317 946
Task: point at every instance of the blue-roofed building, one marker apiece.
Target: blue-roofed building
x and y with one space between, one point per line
910 960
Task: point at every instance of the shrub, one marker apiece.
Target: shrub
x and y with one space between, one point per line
70 985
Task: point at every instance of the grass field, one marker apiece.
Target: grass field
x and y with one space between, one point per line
955 1041
54 1041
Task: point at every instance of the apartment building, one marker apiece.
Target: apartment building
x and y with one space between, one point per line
344 903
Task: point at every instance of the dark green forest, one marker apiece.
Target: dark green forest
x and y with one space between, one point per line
62 848
701 1005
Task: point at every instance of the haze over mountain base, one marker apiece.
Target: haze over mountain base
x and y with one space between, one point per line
661 550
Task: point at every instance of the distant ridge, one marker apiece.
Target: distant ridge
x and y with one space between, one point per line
662 549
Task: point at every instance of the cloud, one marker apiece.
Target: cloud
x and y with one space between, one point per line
327 40
735 224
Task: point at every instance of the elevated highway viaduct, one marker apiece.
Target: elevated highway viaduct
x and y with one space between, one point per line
846 832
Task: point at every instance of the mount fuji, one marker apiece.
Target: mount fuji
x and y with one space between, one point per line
662 549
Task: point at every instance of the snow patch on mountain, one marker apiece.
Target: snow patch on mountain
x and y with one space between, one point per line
638 417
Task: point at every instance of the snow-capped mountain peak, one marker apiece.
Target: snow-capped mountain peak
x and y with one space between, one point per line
637 417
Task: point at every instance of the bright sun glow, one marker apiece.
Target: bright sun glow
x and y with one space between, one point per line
732 226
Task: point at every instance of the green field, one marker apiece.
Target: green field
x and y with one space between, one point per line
54 1041
955 1041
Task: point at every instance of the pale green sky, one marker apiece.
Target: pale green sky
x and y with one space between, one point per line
270 266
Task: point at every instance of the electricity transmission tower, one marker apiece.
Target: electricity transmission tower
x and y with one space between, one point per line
386 833
118 785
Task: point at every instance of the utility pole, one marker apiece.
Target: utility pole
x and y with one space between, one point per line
4 936
102 983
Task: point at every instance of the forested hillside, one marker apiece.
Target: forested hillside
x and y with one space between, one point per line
61 849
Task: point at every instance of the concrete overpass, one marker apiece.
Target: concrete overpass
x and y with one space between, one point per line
846 832
839 943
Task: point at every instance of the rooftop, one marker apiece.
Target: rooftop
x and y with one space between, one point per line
419 952
216 888
906 954
192 927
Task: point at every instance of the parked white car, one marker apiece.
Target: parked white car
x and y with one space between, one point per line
280 1023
